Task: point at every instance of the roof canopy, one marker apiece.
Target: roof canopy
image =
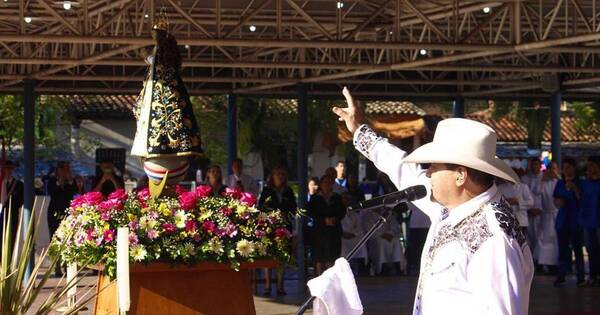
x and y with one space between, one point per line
381 48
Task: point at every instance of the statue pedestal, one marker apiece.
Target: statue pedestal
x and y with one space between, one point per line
159 288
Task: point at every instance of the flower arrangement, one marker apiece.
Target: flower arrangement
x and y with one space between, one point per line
190 228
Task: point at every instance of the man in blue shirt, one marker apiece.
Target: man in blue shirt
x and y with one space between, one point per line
566 197
589 217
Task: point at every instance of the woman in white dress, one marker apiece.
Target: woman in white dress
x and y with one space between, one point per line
546 249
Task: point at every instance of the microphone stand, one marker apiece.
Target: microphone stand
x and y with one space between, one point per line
356 247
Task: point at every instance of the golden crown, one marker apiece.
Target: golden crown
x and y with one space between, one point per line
162 22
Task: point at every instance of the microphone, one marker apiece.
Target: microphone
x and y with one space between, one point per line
392 199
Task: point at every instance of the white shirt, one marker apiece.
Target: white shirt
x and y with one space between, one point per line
248 183
475 259
534 182
524 197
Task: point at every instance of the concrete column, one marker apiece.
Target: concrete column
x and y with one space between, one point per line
302 180
555 102
29 98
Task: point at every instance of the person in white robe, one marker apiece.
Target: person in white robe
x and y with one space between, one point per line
520 199
533 180
476 259
546 249
352 233
384 247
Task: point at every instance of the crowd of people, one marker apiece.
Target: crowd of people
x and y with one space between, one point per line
558 209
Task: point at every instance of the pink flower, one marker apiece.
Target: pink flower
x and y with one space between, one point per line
108 236
93 198
152 234
190 226
248 199
233 193
187 200
143 194
105 216
209 226
90 234
169 228
118 194
179 189
282 233
133 225
133 239
230 230
111 204
226 211
77 201
203 191
90 199
260 233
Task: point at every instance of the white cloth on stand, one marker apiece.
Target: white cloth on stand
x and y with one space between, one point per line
546 249
335 291
352 223
380 250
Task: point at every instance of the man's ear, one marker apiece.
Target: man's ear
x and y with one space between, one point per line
461 176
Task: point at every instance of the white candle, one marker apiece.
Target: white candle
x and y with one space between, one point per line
123 268
71 280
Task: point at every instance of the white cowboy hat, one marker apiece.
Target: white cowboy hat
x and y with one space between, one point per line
464 142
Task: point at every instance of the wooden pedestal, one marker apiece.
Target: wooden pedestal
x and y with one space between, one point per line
161 289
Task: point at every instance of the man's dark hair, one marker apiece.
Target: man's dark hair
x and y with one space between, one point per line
480 178
570 161
340 162
594 159
237 160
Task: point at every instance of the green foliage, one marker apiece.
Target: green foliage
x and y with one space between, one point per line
586 115
213 128
50 112
531 114
17 294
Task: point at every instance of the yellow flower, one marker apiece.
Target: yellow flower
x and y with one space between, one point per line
164 209
180 218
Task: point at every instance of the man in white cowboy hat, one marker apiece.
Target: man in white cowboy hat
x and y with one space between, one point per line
476 259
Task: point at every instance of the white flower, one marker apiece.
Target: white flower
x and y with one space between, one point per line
261 249
180 218
245 248
189 249
215 246
138 252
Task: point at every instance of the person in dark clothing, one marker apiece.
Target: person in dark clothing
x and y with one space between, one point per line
108 182
61 189
355 190
327 211
570 235
278 195
12 198
214 179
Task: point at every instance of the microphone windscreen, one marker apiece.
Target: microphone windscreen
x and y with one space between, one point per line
415 192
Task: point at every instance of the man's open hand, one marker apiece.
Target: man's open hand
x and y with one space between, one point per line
351 115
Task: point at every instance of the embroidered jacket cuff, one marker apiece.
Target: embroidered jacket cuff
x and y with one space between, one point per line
365 140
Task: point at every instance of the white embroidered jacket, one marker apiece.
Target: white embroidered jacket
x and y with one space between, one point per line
476 259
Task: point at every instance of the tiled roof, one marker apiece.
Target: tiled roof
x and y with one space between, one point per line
510 130
90 105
